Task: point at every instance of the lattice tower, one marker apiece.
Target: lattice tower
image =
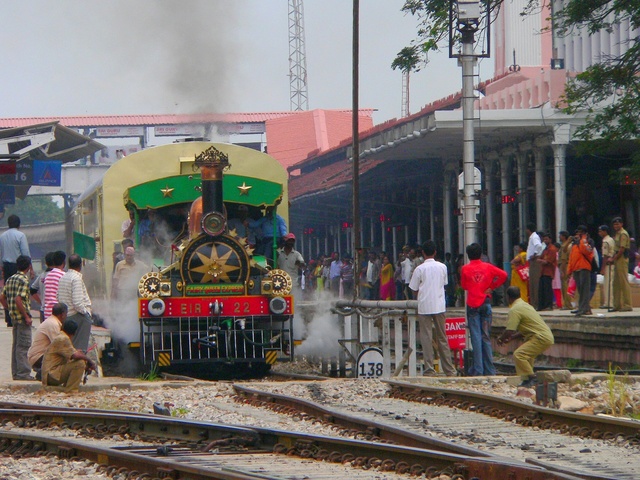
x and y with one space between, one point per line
299 96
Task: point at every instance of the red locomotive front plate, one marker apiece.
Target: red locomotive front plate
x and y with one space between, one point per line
240 306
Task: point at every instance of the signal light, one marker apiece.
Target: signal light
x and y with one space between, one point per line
508 199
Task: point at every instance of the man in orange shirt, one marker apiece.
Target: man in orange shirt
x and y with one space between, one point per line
580 258
480 279
548 262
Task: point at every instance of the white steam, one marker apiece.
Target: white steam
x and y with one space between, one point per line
320 333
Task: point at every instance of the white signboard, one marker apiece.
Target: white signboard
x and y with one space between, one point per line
243 128
130 131
370 363
178 130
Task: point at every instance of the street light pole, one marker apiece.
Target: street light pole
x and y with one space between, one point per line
468 24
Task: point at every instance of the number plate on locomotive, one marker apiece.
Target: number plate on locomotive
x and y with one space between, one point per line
230 306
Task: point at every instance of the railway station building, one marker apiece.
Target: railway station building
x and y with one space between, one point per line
530 167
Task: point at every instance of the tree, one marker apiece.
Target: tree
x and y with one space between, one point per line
608 91
35 210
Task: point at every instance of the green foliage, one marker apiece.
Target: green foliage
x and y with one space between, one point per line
152 376
433 30
179 412
608 92
618 393
35 210
573 363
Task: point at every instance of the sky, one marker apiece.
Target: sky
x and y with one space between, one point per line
74 57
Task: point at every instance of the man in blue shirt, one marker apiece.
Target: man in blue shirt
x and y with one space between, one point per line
264 232
13 243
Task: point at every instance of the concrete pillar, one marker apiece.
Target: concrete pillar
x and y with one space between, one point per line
541 190
372 233
505 187
560 185
447 211
394 247
432 213
523 205
419 226
490 205
562 136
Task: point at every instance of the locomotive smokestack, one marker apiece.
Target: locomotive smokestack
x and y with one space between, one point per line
212 163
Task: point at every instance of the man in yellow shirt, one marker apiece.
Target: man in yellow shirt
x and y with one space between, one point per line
525 322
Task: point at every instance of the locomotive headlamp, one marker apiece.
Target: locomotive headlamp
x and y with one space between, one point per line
213 223
156 307
278 305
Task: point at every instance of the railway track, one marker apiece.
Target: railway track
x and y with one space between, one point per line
177 449
590 426
586 446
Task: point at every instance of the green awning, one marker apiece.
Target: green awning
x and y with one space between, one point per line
178 189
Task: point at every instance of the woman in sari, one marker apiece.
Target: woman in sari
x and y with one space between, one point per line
387 284
516 281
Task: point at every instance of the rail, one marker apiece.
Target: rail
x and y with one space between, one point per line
203 443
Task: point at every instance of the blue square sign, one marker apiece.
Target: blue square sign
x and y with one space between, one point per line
47 173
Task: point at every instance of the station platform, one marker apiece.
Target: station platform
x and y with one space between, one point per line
603 337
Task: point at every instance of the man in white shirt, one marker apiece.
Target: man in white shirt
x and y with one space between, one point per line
428 282
291 261
73 293
407 271
534 250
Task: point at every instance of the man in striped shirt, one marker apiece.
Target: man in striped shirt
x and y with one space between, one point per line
51 282
73 293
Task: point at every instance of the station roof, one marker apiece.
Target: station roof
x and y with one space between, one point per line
67 146
155 119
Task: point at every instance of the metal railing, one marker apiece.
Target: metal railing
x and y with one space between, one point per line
389 325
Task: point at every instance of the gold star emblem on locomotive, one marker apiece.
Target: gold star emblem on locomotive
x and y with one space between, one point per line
167 192
244 188
215 268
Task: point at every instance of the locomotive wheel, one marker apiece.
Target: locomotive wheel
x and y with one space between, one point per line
219 259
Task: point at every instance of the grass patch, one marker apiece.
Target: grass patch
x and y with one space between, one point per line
152 376
573 363
179 412
618 393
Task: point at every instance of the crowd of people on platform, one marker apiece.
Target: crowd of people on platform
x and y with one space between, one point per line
565 274
544 275
56 349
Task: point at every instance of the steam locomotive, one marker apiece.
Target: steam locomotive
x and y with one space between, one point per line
208 306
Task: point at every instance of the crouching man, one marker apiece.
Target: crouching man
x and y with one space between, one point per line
525 322
63 366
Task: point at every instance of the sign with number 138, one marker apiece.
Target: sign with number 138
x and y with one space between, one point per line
370 363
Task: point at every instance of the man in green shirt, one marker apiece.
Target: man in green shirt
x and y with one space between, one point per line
525 322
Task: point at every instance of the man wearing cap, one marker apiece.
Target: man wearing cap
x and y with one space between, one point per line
606 268
620 260
580 267
290 260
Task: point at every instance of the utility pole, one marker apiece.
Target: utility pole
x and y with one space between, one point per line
299 96
468 23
